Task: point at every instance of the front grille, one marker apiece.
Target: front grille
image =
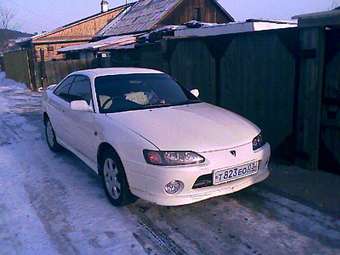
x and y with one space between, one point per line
203 181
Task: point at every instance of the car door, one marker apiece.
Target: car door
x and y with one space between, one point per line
58 109
83 131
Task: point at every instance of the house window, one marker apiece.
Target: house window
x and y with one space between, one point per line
197 14
50 48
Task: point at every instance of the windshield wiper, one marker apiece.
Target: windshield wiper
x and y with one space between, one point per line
148 106
189 101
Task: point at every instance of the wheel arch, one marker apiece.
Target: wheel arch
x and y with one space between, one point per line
102 149
45 117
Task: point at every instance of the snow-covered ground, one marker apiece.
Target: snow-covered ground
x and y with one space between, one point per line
53 204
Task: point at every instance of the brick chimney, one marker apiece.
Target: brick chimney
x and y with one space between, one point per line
104 6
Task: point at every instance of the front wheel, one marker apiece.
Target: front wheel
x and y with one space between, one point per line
115 182
51 138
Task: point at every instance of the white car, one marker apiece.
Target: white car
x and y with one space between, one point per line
148 137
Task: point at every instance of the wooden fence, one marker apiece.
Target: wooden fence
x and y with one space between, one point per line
16 64
52 72
270 77
253 74
330 102
286 81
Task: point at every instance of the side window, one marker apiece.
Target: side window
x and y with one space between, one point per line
81 89
62 90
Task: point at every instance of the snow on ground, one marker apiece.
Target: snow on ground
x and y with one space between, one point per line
53 204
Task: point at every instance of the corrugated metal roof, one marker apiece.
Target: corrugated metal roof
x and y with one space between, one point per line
142 16
111 42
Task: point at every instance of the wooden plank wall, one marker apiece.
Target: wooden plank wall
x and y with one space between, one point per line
312 46
16 65
253 74
55 71
185 12
194 67
257 81
330 116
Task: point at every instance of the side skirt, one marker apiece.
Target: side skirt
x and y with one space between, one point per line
82 157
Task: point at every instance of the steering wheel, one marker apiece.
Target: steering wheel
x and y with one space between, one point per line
106 102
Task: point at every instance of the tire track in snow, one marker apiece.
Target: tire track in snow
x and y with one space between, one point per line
148 231
252 221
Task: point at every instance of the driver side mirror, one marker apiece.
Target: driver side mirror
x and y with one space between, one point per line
195 92
81 106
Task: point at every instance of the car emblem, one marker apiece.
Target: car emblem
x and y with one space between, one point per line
233 153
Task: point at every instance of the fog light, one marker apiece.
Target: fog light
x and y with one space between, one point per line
174 187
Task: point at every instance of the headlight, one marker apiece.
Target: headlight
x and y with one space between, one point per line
172 158
258 142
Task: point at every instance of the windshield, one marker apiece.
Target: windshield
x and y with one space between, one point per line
117 93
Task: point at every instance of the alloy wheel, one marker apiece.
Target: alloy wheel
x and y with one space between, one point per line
112 183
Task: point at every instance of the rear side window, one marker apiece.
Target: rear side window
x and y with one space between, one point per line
81 89
62 90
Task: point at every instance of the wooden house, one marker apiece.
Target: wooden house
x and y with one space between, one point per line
147 15
45 46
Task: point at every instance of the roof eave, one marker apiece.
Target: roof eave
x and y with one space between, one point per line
327 18
224 11
37 37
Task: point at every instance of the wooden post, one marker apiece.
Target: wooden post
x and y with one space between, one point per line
31 66
217 47
42 68
312 46
168 47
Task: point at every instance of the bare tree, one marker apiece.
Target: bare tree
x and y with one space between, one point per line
6 18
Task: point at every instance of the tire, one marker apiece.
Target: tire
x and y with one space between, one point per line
114 181
51 138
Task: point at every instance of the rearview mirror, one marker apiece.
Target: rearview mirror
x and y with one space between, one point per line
80 105
195 92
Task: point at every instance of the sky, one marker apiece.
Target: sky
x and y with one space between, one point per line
45 15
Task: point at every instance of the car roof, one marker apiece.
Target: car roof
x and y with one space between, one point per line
93 73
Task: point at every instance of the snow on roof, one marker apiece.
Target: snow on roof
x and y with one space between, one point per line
230 28
113 41
116 71
22 40
142 16
334 12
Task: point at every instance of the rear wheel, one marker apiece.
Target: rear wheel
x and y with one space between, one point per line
115 181
51 138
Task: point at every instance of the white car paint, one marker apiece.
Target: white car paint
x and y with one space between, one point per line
206 129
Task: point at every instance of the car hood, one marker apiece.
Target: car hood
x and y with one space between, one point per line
197 127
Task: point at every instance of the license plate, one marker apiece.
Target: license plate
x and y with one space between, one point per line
235 173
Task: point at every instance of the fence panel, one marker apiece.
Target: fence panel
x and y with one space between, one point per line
55 71
194 67
152 57
257 81
17 66
330 120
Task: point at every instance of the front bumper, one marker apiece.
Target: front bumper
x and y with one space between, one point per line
149 181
